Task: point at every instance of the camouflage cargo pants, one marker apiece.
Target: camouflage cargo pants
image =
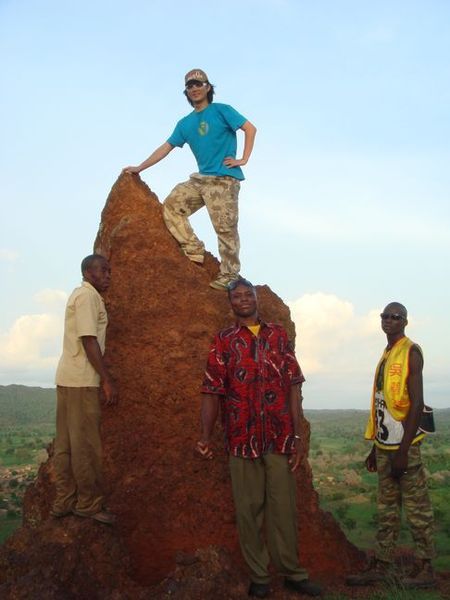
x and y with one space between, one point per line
411 492
220 196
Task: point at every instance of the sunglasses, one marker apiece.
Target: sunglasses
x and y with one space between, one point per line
392 316
195 84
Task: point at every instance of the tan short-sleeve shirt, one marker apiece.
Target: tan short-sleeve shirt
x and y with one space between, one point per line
85 315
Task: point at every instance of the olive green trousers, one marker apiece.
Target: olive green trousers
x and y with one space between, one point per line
264 490
77 457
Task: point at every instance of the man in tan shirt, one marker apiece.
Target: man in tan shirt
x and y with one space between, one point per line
80 373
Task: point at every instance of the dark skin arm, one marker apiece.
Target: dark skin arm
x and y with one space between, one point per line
371 461
95 357
209 414
295 399
411 423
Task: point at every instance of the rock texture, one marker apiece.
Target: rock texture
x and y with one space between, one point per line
170 504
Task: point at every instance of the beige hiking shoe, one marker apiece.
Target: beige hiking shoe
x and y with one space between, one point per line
377 571
222 283
422 576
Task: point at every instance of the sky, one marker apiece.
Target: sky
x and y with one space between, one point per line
345 206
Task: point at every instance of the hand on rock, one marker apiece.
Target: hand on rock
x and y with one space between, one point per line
371 461
131 170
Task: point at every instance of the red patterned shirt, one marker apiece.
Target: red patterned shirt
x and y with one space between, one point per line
253 375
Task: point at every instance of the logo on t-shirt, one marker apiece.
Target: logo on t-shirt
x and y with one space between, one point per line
203 128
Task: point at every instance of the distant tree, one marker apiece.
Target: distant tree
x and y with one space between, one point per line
341 510
349 523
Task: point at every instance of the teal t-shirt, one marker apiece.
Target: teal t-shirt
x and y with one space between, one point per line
211 135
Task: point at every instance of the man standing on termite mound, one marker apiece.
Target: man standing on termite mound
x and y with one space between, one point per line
252 375
81 371
210 131
397 409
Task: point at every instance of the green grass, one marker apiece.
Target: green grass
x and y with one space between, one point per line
391 594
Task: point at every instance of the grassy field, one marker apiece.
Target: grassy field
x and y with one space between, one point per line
348 491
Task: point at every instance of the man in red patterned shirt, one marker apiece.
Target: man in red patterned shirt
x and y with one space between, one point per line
252 375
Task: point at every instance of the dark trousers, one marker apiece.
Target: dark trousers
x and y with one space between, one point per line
264 491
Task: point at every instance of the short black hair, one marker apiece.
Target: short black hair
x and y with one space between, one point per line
88 261
400 307
239 281
209 95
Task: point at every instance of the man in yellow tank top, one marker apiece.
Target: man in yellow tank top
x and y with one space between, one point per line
397 407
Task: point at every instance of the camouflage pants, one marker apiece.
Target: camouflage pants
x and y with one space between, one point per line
220 196
411 491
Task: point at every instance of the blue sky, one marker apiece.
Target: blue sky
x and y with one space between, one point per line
346 202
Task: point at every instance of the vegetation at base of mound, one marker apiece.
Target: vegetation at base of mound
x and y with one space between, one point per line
348 491
392 593
27 426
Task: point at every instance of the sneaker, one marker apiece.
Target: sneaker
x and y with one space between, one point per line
197 261
221 283
258 590
102 516
305 586
376 572
422 576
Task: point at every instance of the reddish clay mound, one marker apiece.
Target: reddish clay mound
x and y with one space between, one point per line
162 318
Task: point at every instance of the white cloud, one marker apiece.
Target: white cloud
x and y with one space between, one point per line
329 332
337 350
33 342
30 349
8 255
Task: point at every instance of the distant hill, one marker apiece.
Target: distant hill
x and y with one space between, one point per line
21 405
346 423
